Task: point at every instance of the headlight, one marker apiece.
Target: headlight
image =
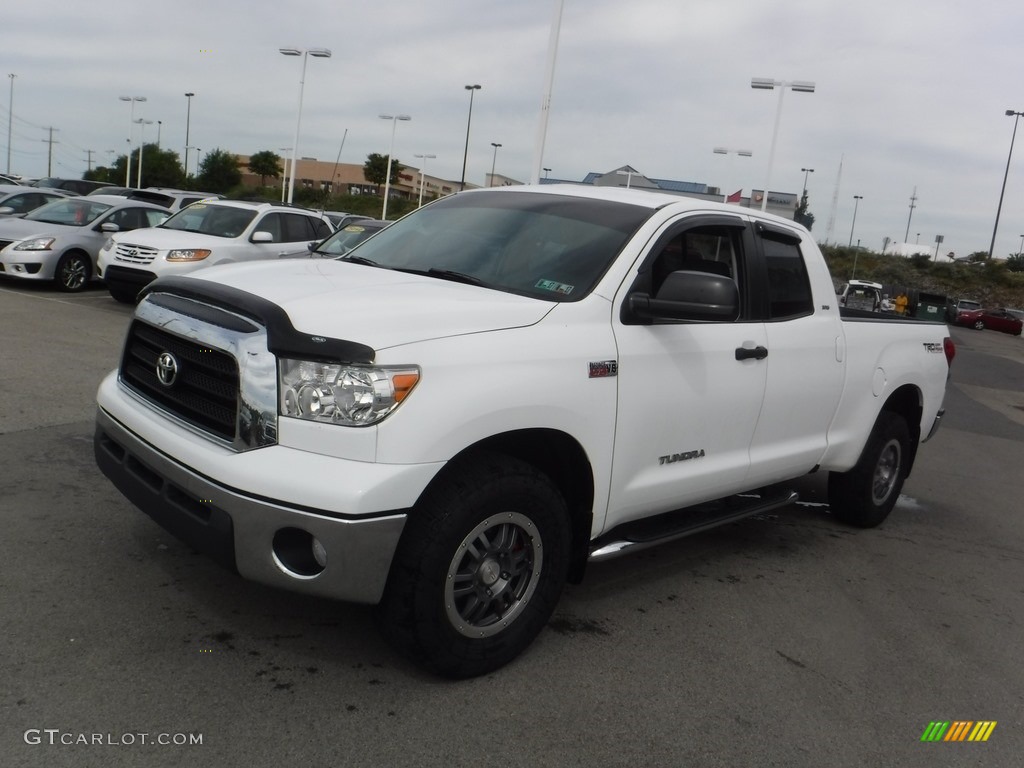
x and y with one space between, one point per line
188 254
38 244
335 393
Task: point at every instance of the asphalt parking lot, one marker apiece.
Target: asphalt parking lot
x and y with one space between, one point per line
786 639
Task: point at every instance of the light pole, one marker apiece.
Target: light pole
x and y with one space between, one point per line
142 142
856 202
494 161
546 172
319 53
131 121
10 119
768 84
284 179
469 121
733 152
806 171
159 129
1021 249
387 176
188 121
1016 116
423 170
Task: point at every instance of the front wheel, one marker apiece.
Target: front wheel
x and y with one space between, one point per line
73 271
479 569
979 325
866 494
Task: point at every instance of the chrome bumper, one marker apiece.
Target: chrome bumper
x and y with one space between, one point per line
260 538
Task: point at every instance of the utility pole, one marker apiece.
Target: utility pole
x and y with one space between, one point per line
913 199
88 158
10 119
49 158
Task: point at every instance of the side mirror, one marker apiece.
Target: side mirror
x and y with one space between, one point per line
261 237
6 210
685 295
109 226
312 245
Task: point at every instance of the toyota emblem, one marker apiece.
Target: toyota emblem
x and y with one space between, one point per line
166 369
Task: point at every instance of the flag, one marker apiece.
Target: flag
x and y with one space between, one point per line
735 196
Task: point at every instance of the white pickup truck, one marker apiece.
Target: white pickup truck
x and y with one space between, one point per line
453 419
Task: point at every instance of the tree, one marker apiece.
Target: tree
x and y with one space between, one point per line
1015 262
375 169
160 168
219 172
265 163
802 216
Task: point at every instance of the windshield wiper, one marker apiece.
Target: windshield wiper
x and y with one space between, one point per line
355 260
446 274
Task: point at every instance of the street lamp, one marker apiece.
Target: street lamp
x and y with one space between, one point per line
387 177
856 202
284 180
142 142
423 170
319 53
734 152
1016 116
131 121
546 172
10 118
188 121
806 171
494 161
472 89
768 84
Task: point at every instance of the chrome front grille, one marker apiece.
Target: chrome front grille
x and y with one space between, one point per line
134 254
204 366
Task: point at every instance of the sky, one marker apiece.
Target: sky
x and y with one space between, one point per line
910 96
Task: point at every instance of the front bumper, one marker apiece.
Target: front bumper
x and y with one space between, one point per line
251 534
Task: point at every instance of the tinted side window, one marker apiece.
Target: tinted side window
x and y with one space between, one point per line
321 229
297 228
272 223
789 288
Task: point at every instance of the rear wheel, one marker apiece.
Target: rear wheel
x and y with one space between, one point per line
73 271
479 569
866 494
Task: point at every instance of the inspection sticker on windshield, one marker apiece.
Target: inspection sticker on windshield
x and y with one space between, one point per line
552 285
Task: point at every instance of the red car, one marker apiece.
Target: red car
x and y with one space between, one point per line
996 319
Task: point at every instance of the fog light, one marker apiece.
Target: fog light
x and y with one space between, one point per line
298 553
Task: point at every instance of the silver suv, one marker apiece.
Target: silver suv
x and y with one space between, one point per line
202 235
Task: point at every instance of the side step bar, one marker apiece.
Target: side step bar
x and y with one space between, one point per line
649 532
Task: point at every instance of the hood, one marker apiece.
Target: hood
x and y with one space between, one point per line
22 229
378 307
166 239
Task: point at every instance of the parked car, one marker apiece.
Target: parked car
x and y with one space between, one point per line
341 242
998 319
962 305
60 240
861 294
204 234
171 199
16 200
5 179
341 219
111 190
74 186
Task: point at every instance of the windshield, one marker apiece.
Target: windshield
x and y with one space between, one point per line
73 212
215 220
547 246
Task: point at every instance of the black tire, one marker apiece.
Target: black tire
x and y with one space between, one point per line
479 569
124 295
73 271
979 325
866 494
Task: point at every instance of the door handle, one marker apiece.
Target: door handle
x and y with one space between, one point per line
757 353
